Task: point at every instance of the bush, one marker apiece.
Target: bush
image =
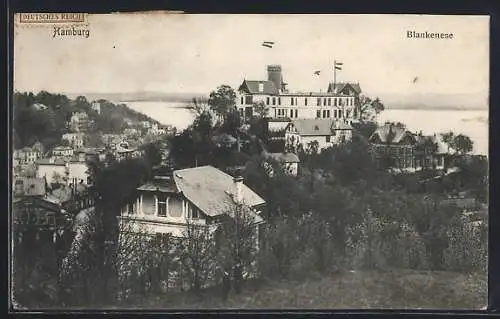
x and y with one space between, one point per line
467 249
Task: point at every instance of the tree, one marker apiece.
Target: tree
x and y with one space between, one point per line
261 109
312 147
200 106
197 255
369 108
237 243
93 139
232 123
448 138
222 100
366 128
462 144
153 154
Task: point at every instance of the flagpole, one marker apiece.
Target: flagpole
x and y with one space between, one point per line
334 74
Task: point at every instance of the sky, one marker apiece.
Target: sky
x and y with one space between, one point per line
196 53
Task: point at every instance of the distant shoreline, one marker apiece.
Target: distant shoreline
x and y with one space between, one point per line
437 108
415 108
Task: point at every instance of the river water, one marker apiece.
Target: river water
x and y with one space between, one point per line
471 123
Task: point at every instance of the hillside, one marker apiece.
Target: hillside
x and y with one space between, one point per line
142 96
43 117
388 289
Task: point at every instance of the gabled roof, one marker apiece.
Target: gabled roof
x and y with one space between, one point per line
252 87
339 87
319 127
31 186
211 190
391 134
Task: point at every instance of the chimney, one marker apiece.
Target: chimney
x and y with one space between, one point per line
238 189
274 75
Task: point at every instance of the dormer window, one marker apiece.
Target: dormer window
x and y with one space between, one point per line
261 87
316 128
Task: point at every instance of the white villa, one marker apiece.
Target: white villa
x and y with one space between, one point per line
339 101
202 195
327 132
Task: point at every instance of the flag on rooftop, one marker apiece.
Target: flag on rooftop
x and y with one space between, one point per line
338 65
317 72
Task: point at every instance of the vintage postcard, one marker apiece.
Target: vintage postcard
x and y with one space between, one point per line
179 161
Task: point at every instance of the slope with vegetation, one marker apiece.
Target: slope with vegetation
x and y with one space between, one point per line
47 125
342 234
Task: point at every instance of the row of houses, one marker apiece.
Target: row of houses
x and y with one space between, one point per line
391 145
28 155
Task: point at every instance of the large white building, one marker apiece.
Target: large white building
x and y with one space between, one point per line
339 101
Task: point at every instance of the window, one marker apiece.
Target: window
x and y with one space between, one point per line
318 114
329 101
279 101
51 219
305 101
328 139
316 128
291 100
334 101
318 102
267 100
324 101
242 100
296 113
324 113
130 208
248 99
194 213
328 113
162 205
274 101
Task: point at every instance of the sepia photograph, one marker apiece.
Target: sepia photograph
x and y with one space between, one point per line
164 160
